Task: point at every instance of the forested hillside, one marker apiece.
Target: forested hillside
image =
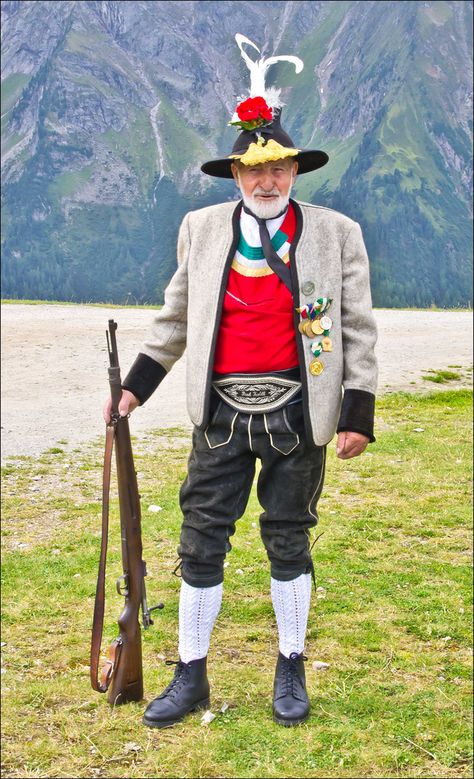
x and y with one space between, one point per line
109 109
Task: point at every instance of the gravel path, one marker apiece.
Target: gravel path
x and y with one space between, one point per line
54 368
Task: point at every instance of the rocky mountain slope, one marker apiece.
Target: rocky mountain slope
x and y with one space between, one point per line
109 108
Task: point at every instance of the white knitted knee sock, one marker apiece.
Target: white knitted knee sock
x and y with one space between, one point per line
291 604
198 609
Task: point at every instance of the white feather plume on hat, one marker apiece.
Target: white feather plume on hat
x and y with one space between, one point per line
258 69
262 138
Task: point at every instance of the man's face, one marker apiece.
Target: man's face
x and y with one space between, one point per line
266 188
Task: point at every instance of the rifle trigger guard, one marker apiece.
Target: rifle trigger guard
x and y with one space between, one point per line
122 591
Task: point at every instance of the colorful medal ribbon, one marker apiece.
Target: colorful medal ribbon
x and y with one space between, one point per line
312 310
317 322
321 346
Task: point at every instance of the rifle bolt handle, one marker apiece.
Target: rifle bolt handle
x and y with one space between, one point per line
154 608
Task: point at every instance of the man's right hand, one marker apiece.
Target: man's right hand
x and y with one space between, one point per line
128 402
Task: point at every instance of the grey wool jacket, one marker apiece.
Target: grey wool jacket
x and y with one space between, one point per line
327 258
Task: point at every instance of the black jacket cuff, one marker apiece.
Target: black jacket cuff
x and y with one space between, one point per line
357 413
144 377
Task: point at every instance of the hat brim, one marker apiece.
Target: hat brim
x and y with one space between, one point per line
309 160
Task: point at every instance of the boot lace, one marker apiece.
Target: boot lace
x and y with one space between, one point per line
289 675
181 675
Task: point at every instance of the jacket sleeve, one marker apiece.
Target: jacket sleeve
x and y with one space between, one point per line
359 336
166 340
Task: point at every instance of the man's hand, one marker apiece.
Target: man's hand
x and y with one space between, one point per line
128 402
350 444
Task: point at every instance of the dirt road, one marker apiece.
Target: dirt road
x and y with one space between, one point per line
54 368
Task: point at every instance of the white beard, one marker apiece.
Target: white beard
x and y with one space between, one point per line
266 210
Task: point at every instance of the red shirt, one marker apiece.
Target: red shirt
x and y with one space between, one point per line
256 333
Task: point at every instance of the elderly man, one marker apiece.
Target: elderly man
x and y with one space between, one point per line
272 300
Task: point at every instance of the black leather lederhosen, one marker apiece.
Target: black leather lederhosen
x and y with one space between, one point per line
221 471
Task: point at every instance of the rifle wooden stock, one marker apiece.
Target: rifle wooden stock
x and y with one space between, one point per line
122 675
127 678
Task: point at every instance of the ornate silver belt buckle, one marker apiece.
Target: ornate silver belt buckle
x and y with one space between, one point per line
256 394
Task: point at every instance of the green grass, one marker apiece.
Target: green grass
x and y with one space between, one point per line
393 622
68 183
190 146
11 141
441 377
440 13
12 86
10 301
340 154
432 307
93 44
137 145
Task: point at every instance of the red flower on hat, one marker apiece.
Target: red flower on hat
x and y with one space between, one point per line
253 112
254 108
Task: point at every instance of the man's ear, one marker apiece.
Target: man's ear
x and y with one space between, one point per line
294 169
235 172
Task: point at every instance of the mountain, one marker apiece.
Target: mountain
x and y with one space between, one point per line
109 109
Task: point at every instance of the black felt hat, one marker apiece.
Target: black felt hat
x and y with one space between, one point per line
307 159
262 138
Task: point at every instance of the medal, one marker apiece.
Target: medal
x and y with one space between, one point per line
315 321
316 327
316 367
326 344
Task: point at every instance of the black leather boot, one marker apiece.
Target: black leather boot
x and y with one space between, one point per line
187 691
290 699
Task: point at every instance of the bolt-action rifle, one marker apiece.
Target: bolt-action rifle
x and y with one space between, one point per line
122 674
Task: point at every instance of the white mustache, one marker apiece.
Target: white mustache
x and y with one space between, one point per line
259 191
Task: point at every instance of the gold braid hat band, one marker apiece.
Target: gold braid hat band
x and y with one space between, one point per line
260 152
